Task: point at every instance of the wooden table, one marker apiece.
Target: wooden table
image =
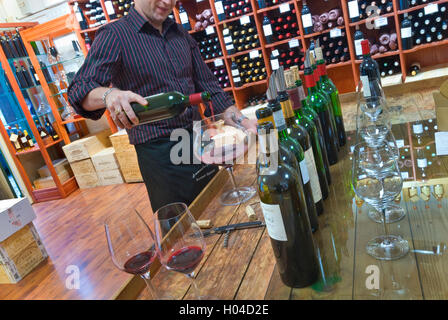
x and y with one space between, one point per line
246 269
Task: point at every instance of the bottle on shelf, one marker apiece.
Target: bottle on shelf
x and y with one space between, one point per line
235 74
14 138
414 69
183 16
80 16
307 20
353 10
369 73
29 140
404 4
49 128
267 29
284 209
22 138
406 33
219 7
33 72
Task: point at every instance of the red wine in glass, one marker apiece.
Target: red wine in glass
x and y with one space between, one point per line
140 263
185 260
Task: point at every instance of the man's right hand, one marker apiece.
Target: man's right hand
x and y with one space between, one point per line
118 104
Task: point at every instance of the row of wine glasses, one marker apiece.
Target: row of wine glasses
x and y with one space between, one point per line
376 177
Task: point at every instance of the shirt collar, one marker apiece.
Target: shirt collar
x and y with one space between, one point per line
138 22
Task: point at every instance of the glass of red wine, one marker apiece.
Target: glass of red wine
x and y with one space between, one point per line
179 241
131 245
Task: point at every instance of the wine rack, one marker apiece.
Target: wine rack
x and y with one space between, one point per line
208 43
388 10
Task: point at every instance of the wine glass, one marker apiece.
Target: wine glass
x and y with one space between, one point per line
372 106
378 188
179 240
369 89
373 130
131 245
219 140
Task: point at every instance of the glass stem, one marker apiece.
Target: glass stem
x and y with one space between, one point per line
232 177
147 277
386 228
193 284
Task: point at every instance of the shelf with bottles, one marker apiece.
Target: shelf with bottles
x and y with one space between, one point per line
247 69
421 6
219 70
381 55
194 16
268 5
227 11
227 21
90 14
363 12
427 72
240 36
427 45
287 55
208 43
280 24
317 16
334 46
316 34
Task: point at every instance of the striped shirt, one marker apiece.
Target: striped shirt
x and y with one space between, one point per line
132 55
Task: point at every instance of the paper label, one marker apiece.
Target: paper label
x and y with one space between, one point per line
304 171
307 20
237 79
380 22
284 8
406 32
184 18
358 47
13 137
23 139
225 32
109 7
422 163
274 221
31 143
417 128
315 184
209 30
353 9
405 175
219 7
400 143
279 119
274 64
366 86
293 43
79 17
275 53
43 134
245 20
253 54
228 39
218 62
441 143
267 29
335 33
229 47
431 8
235 72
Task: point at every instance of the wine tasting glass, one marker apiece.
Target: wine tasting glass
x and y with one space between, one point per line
371 107
179 240
131 245
379 188
373 130
218 141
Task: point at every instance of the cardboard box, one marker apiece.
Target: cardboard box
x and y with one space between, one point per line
105 160
82 149
82 167
48 182
120 142
103 137
14 215
110 177
59 166
129 166
87 180
17 242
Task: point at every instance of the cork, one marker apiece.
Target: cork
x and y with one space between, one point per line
251 213
204 224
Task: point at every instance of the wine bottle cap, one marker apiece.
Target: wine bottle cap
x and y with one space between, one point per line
318 51
365 47
263 112
271 93
265 126
280 79
307 59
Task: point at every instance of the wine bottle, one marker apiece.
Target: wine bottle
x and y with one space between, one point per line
369 73
26 75
406 33
33 72
290 144
20 78
235 74
329 87
80 16
267 29
167 105
29 140
307 20
49 127
319 103
404 4
42 131
284 209
353 10
299 134
183 16
219 7
359 37
414 69
14 138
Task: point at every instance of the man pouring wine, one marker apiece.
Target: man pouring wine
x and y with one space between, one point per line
143 54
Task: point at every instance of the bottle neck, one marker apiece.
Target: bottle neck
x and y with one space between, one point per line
279 119
310 82
286 104
322 68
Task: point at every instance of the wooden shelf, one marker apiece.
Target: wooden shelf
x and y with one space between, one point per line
235 19
242 53
252 84
382 55
227 89
426 46
279 43
428 73
339 64
53 143
73 120
392 80
421 6
364 21
33 149
203 29
316 34
267 9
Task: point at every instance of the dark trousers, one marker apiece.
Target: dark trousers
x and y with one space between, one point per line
167 182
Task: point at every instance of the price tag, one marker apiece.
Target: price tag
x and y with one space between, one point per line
244 20
235 73
335 33
225 32
209 30
109 7
230 47
404 175
381 22
79 17
253 54
267 29
275 53
400 143
219 7
13 137
284 8
307 20
274 64
353 9
441 138
218 62
431 8
293 43
422 163
228 39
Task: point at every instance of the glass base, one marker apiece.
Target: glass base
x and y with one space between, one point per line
237 196
394 213
387 247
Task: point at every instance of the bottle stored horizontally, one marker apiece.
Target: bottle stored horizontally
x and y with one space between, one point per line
414 69
167 105
283 205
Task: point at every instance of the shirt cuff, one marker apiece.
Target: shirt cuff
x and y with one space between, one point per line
76 94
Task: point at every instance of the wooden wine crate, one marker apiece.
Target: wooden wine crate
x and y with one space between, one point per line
103 137
15 214
82 149
83 167
105 160
129 166
110 177
87 180
12 245
59 166
48 182
120 142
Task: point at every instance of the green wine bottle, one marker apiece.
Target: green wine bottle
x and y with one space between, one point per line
284 208
167 105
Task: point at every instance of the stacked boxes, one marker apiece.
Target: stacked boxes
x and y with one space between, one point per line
63 170
107 167
126 156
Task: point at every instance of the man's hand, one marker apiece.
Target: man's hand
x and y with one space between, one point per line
232 116
118 104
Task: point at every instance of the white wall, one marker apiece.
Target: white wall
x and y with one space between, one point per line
11 12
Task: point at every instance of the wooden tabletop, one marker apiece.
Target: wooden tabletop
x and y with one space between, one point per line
246 269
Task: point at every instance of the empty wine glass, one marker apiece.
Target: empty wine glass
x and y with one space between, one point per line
371 107
179 241
220 141
131 245
373 130
379 188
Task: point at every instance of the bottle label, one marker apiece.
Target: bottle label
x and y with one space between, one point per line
274 221
353 9
307 20
293 43
267 29
109 8
209 30
219 7
79 17
279 119
380 22
315 184
235 72
358 47
304 171
36 77
284 8
23 139
274 64
417 128
366 86
228 39
183 18
245 20
43 134
31 143
422 163
236 79
406 32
